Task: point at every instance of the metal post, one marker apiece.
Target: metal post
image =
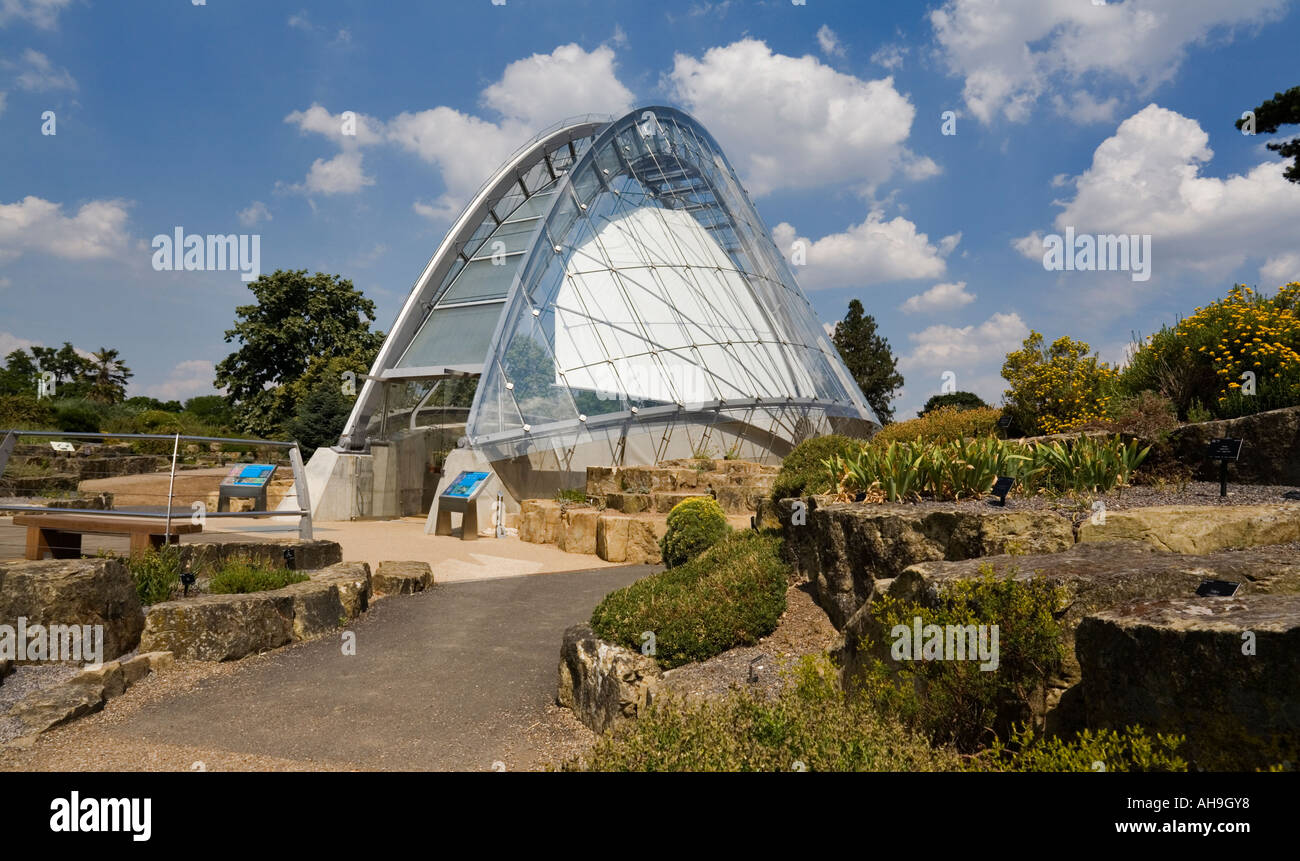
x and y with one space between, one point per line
1223 478
171 484
300 492
6 449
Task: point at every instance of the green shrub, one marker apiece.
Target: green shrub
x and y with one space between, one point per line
959 400
157 573
955 701
802 472
1106 750
694 525
945 424
731 595
240 576
572 494
24 412
810 726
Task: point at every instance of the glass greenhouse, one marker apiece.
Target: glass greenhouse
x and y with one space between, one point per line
610 297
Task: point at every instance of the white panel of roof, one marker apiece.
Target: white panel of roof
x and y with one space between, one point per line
663 333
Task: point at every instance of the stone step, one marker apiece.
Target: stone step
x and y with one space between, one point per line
678 475
611 535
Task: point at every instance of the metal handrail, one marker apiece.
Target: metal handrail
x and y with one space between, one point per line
9 438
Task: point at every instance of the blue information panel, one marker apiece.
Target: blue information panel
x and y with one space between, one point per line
466 485
249 475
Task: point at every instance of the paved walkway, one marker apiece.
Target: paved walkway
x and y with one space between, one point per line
456 678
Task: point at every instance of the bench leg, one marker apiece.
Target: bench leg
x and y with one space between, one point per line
37 543
62 545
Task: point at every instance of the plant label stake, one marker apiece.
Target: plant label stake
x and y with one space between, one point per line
1224 450
1002 487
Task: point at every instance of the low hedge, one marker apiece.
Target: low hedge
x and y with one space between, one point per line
730 595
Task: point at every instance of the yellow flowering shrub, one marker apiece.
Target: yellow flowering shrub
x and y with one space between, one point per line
1058 387
1207 360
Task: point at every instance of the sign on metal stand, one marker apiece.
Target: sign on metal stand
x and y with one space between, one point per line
1224 450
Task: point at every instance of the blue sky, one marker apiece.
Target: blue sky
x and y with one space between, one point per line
225 118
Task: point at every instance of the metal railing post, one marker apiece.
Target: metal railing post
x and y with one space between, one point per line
300 492
6 449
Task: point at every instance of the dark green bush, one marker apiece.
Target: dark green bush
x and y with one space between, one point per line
240 576
803 473
729 596
75 418
954 701
694 525
808 726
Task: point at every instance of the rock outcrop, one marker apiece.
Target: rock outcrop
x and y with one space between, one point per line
1270 448
229 627
844 549
1198 529
1224 672
74 592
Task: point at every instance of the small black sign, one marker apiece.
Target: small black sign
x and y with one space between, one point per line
1004 422
1217 589
1225 449
1002 487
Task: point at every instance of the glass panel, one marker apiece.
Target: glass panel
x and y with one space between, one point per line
482 279
453 336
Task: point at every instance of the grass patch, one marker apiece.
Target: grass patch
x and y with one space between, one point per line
572 494
728 596
240 576
157 574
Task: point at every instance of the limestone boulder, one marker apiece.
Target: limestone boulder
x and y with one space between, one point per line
353 582
220 627
1198 529
602 683
1224 672
316 609
539 521
401 578
631 539
577 530
843 549
74 592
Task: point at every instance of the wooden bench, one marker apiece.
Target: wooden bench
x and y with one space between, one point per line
60 534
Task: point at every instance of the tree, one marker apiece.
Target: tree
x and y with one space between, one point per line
296 319
960 400
869 360
1281 110
19 374
320 417
107 376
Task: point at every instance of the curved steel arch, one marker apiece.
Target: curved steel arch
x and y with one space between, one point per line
421 298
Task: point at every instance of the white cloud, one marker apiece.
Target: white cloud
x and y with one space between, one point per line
829 42
98 230
10 342
367 130
940 297
342 174
532 93
817 126
890 56
5 283
1084 109
1010 52
872 252
301 21
37 74
188 379
40 13
254 214
974 354
3 97
1279 270
545 88
1146 179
